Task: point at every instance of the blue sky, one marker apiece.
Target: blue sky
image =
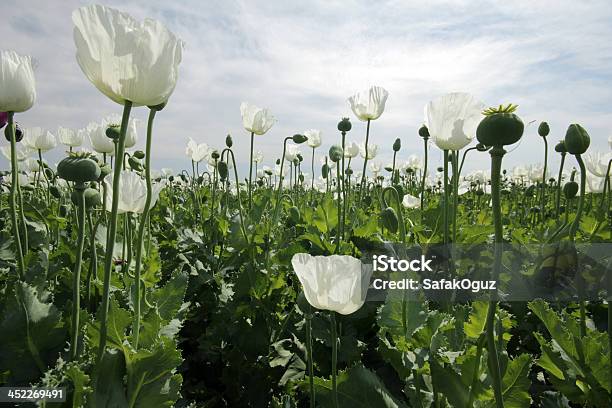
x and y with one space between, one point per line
303 59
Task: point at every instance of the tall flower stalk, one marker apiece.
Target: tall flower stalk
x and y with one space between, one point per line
10 130
141 227
500 127
424 133
112 229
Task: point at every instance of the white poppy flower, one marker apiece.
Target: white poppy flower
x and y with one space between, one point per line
452 120
414 162
258 157
125 59
256 120
291 153
197 152
132 193
314 138
70 137
98 139
337 282
22 152
351 150
410 201
375 168
372 150
17 84
370 104
597 162
37 138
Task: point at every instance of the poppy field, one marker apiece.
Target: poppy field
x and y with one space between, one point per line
277 284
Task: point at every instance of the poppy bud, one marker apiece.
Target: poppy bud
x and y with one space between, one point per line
424 132
112 132
49 173
139 154
215 155
577 139
344 125
228 141
18 134
570 189
134 164
324 170
560 147
388 218
397 145
335 153
543 129
105 170
299 139
222 168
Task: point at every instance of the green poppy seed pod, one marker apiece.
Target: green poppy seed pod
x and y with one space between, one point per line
134 164
105 170
215 155
200 179
139 154
55 192
300 157
397 145
335 153
112 132
577 139
388 218
278 161
183 178
500 129
228 141
299 139
388 168
424 132
570 189
344 125
560 147
349 171
440 169
93 198
543 129
324 170
78 169
268 172
18 134
260 183
171 179
222 168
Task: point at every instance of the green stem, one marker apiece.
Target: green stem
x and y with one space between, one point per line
558 203
14 189
544 183
424 178
340 218
112 229
310 360
455 158
334 338
497 153
572 236
251 172
76 275
365 160
445 208
141 228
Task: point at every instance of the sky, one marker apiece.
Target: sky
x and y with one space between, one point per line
302 60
